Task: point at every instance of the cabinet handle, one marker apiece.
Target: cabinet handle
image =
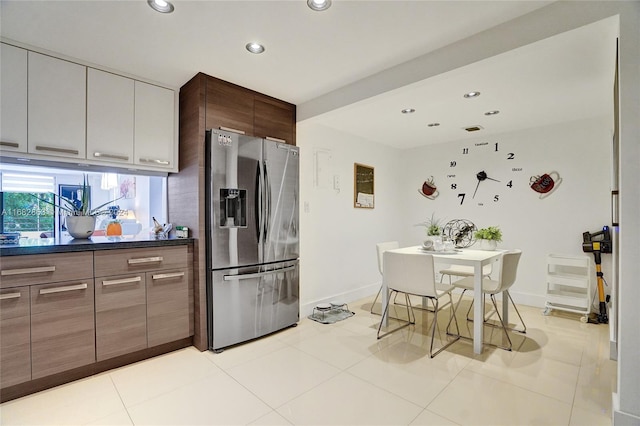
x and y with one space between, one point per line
9 296
144 260
10 144
269 138
155 161
122 281
114 156
28 270
164 276
55 149
82 286
231 129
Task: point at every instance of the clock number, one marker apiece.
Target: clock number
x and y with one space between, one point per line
511 156
454 186
465 150
452 164
510 184
496 198
461 196
496 144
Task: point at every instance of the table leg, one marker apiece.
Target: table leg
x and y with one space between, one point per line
478 309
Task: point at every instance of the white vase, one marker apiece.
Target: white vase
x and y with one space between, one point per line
80 226
488 245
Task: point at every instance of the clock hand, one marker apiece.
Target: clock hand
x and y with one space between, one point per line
493 179
474 192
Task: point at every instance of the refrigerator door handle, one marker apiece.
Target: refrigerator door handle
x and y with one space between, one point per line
267 196
258 203
257 274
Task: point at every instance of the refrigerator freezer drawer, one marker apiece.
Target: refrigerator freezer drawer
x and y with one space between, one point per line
250 302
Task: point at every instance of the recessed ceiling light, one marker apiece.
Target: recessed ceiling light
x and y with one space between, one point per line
433 124
472 95
161 6
254 47
494 112
408 111
473 128
319 5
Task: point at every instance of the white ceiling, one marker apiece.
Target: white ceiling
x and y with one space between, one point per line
312 53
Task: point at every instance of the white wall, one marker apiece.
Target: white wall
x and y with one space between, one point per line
337 249
338 258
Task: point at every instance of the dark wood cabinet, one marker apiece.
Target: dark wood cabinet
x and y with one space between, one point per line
15 334
274 119
121 315
228 106
167 306
62 326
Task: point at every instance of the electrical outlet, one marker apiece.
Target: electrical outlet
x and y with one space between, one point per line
336 182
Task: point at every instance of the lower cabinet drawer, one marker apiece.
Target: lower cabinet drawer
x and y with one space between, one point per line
62 327
15 336
121 315
167 306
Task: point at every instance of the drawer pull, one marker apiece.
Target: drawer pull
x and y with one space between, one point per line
155 161
24 271
144 260
271 138
56 149
9 144
9 296
164 276
230 129
113 156
122 281
82 286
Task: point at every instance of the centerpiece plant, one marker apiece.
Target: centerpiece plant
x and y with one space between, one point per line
492 235
80 218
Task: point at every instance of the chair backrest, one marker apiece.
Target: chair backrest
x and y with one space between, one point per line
509 269
410 273
381 248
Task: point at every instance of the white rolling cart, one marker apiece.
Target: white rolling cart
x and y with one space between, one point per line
569 284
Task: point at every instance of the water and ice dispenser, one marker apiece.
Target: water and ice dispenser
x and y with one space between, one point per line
233 208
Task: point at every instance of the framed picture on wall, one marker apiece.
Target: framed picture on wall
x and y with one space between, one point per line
363 186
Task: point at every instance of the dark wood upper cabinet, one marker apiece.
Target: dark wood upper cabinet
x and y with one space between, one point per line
228 106
274 118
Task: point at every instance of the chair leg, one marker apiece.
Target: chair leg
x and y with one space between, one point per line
376 299
385 312
524 326
435 326
453 316
504 327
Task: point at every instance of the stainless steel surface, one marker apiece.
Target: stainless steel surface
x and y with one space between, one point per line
155 161
252 224
6 296
74 287
229 129
113 156
144 260
55 149
252 302
25 271
166 276
9 144
122 281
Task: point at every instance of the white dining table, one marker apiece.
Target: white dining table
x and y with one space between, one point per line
475 258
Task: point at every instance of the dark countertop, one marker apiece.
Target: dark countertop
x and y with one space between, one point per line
67 244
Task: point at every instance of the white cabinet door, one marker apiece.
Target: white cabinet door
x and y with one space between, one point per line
57 107
110 106
155 143
13 102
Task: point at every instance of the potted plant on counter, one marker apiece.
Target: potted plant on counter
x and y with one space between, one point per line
80 218
488 237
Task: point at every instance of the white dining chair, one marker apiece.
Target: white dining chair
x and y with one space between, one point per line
413 274
381 248
508 272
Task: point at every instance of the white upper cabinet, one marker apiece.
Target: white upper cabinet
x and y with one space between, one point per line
57 107
110 117
13 101
155 127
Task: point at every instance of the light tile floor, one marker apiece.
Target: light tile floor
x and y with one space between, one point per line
557 374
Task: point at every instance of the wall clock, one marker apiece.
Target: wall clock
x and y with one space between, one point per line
483 173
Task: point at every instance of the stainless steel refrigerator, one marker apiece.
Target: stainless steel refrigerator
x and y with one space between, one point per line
252 245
